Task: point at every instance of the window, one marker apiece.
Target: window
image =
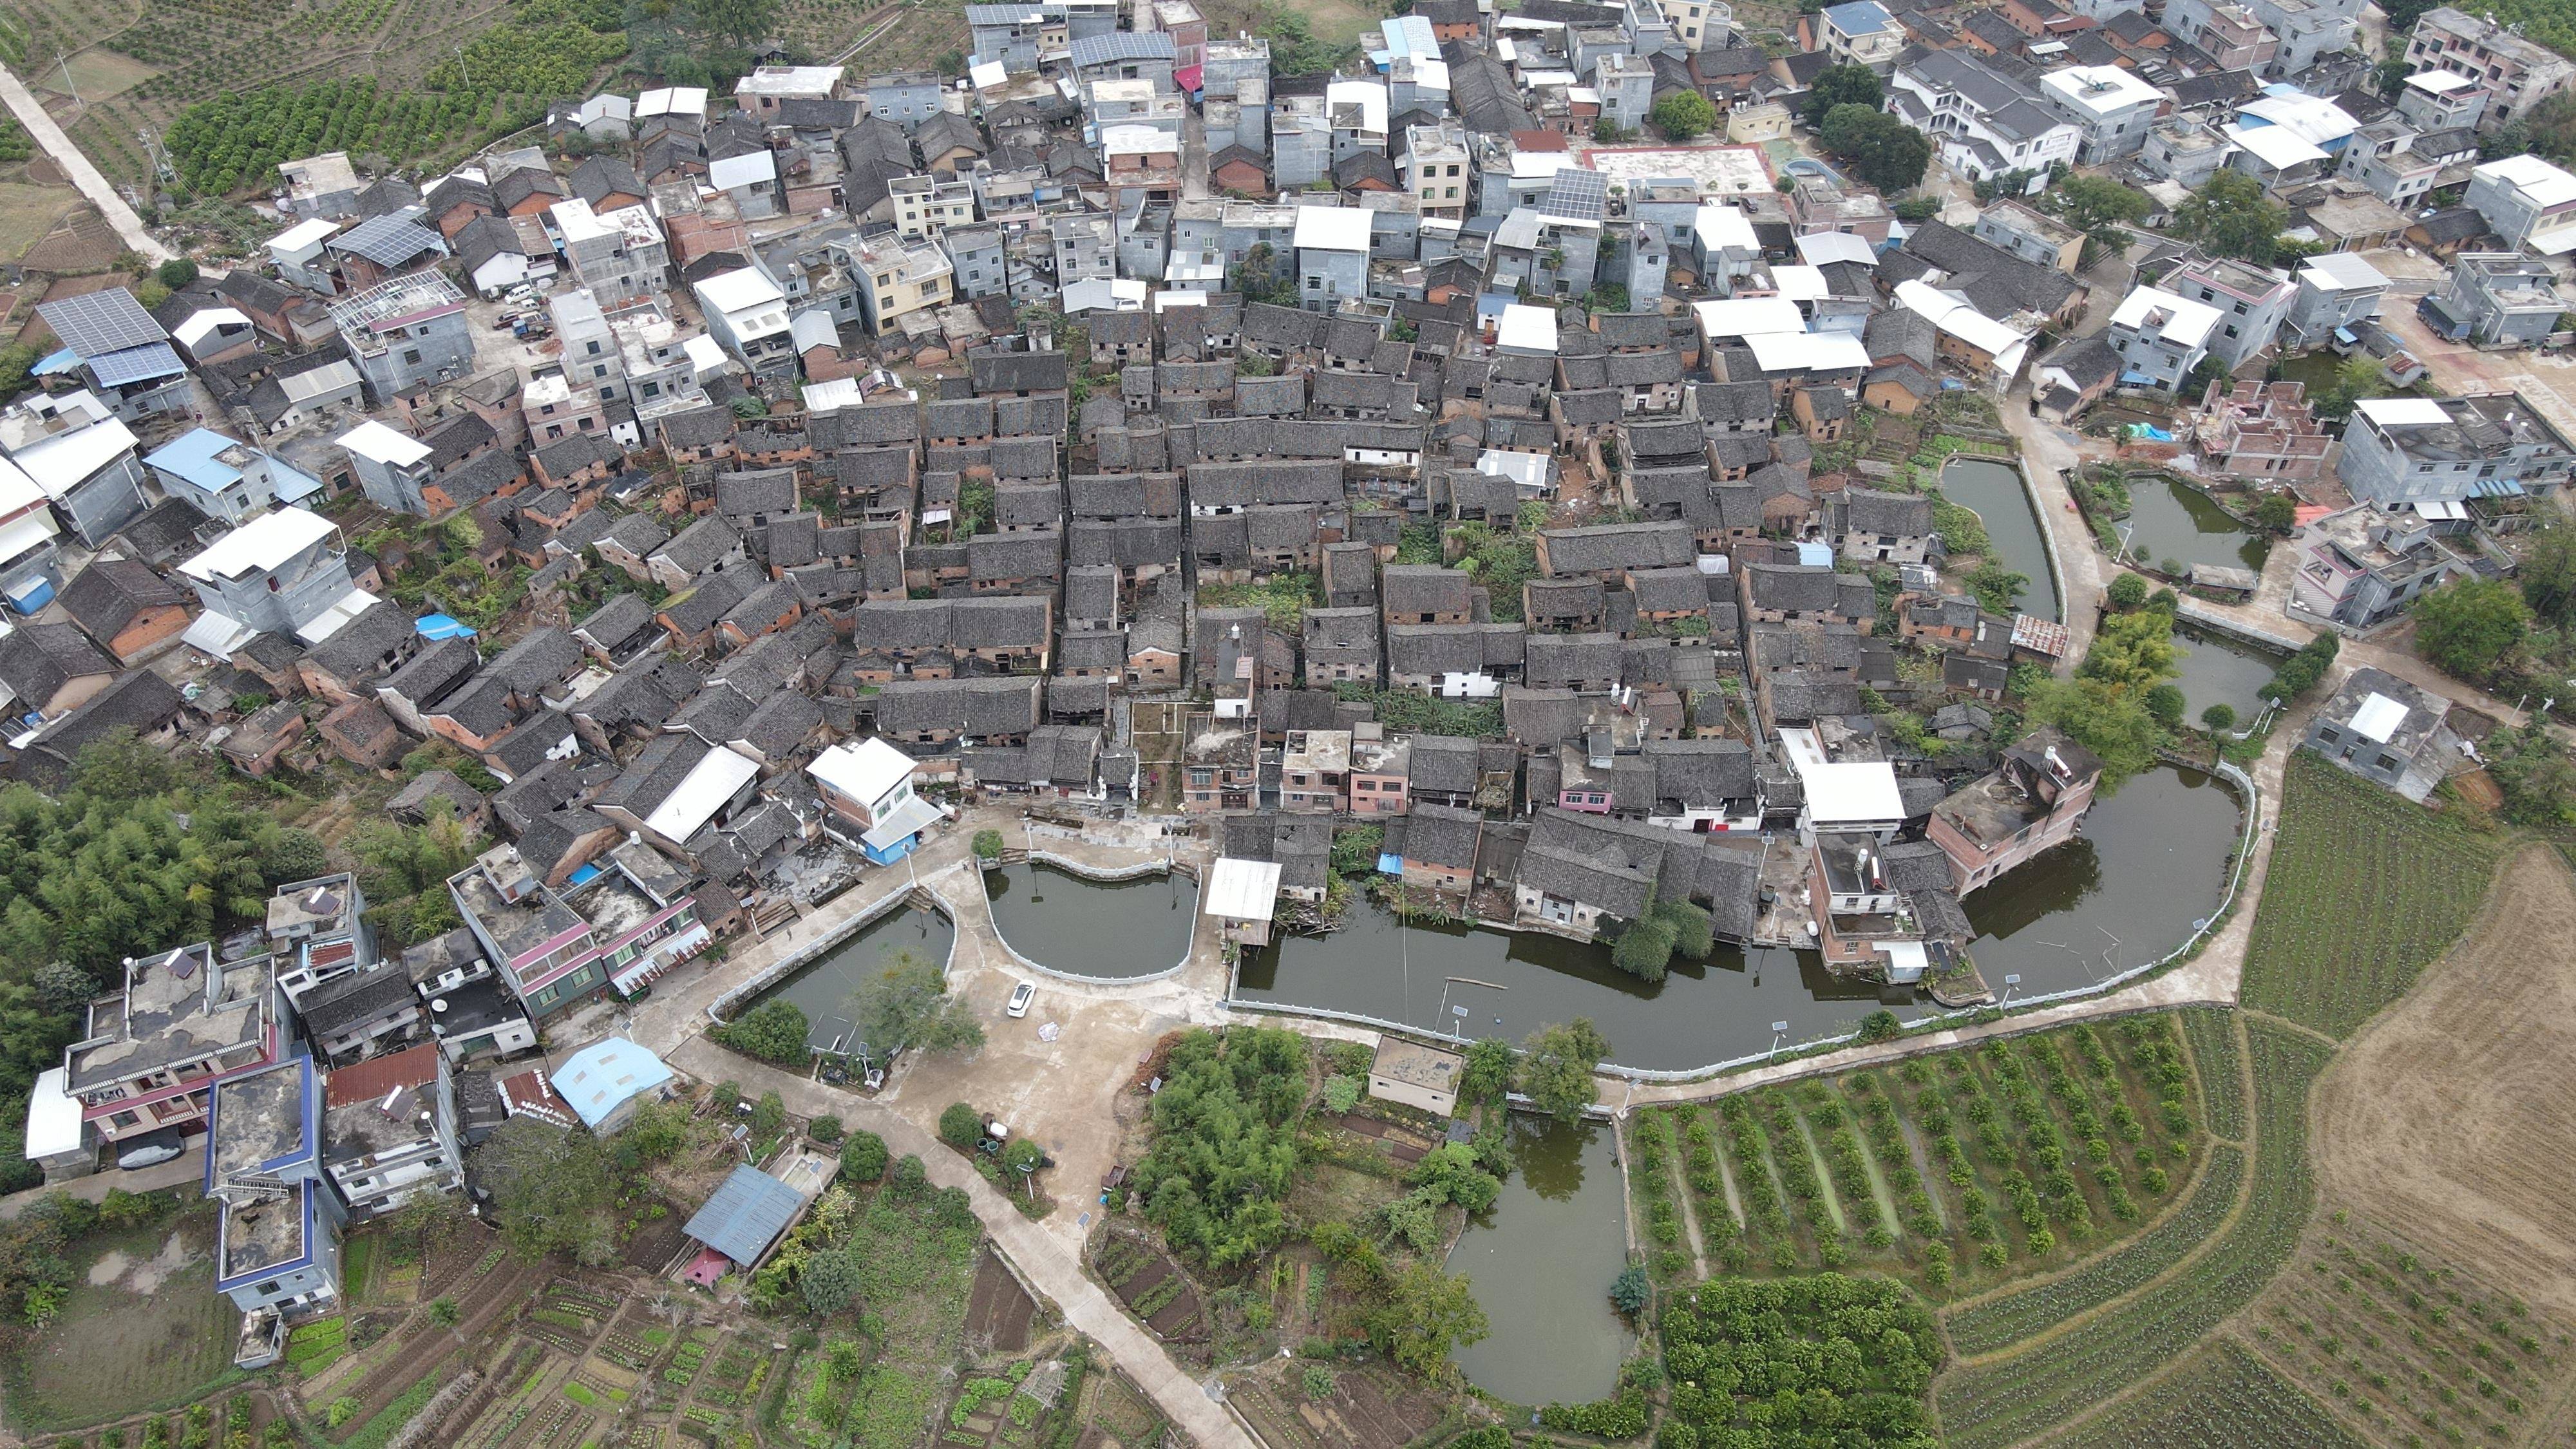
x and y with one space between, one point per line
594 348
411 355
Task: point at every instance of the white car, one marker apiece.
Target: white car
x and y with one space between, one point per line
1021 996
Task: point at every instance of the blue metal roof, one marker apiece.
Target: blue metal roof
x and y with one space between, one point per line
1120 45
191 455
55 362
1859 17
603 1076
137 364
748 1212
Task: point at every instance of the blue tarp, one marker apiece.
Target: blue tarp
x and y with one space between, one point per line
2150 432
1390 864
583 876
439 626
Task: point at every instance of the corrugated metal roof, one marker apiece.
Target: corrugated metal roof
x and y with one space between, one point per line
746 1214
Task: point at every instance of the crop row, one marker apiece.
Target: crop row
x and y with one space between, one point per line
2211 1031
2221 1395
2000 1322
2060 1377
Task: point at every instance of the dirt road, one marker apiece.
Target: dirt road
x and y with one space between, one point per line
22 104
2449 1118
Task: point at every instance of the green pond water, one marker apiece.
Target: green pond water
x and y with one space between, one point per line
2169 520
822 990
1994 490
2218 670
1541 1260
1084 927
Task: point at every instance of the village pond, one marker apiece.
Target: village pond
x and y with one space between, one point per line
1995 492
2219 670
2170 520
1541 1261
1110 929
822 990
2152 861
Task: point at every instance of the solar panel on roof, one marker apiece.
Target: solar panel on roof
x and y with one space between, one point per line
1577 195
101 322
136 364
387 240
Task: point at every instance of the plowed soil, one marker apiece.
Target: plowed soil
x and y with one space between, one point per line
2449 1118
999 1309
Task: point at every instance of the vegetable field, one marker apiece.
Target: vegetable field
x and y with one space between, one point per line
2364 891
2220 1395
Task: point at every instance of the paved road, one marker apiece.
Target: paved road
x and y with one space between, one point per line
186 1169
23 104
1055 1274
2047 453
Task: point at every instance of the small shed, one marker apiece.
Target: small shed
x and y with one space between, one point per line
1242 894
744 1219
1416 1075
56 1135
2219 579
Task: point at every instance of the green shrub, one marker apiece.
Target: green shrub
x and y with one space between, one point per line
863 1158
961 1126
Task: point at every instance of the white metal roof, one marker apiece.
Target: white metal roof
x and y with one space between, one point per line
1818 248
1241 890
1855 792
2278 147
17 490
1369 96
911 817
672 101
2345 271
1725 226
2378 717
263 543
216 635
739 290
1747 316
2098 90
1952 314
332 620
374 441
54 1119
706 355
64 461
1333 228
2438 82
1808 351
2186 321
2402 412
2539 182
988 74
1527 329
193 331
748 169
304 236
710 783
1800 283
2553 241
26 531
2315 118
864 771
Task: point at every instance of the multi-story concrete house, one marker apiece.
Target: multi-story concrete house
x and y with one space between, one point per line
2160 337
2406 451
80 456
2501 299
2434 99
406 334
2334 291
544 950
1982 121
148 1053
1859 32
747 313
2223 30
2389 732
2400 163
1435 165
2527 202
2030 234
389 1131
618 255
277 1236
2261 432
2308 31
122 353
2516 74
1332 244
2362 566
2112 107
1016 36
2250 302
897 278
867 788
2035 799
284 572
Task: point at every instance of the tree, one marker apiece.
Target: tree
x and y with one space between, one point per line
1683 114
2471 627
908 1005
1449 1173
1488 1073
773 1031
742 22
293 856
988 845
1665 929
2128 591
1630 1292
1882 150
825 1129
961 1126
2231 217
175 273
2165 703
2538 780
2218 718
2131 652
1557 1063
554 1191
1880 1025
2357 378
2114 726
2548 575
2277 512
1842 85
863 1158
1997 589
829 1281
2101 208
